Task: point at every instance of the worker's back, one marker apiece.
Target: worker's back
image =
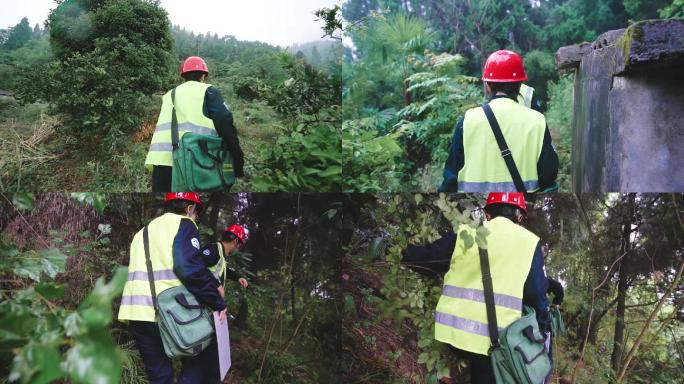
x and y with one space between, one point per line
484 168
136 303
188 103
461 317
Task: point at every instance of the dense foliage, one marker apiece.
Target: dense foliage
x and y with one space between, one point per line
56 310
108 56
618 256
392 40
87 92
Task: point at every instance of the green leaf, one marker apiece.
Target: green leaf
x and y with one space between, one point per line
92 359
333 170
37 364
24 201
51 291
443 372
53 261
468 240
377 248
96 199
423 358
96 309
29 271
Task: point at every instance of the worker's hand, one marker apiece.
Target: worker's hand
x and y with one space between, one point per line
222 315
221 291
243 282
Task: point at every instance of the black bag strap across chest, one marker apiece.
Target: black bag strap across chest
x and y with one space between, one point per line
174 121
150 272
489 298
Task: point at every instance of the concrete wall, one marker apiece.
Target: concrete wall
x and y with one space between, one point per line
628 112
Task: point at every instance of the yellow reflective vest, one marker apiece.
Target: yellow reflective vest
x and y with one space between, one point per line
461 314
189 101
525 95
136 302
484 169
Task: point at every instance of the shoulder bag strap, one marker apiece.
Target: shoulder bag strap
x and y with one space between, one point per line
505 152
150 272
489 298
174 121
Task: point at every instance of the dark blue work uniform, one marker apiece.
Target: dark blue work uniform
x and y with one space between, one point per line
191 268
215 109
547 165
437 257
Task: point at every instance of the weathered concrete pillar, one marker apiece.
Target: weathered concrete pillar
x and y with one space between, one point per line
628 112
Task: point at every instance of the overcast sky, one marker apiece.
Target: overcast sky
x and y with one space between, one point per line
277 22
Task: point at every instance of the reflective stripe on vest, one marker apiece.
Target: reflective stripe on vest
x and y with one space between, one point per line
461 315
189 103
484 169
136 302
525 95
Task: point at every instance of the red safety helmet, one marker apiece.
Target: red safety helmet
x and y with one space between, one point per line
504 66
238 231
194 63
516 199
188 196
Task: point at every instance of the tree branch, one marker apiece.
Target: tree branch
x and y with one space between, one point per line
675 283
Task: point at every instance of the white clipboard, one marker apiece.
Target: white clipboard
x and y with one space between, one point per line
223 343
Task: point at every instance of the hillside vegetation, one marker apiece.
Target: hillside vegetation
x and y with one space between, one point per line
86 93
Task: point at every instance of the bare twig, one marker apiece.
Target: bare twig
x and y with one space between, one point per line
625 364
25 221
596 247
675 283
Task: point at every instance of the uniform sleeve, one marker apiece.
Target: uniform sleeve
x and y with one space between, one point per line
219 113
536 104
534 291
556 289
547 165
211 256
232 274
189 266
436 256
454 162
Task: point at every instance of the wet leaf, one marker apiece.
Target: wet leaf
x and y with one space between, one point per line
24 201
51 291
37 364
96 309
468 240
91 361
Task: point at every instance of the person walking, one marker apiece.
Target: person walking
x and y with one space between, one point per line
502 145
517 270
199 109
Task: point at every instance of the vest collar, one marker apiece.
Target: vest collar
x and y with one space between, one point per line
181 216
502 97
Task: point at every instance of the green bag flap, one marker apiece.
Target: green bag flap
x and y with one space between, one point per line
202 164
186 321
522 351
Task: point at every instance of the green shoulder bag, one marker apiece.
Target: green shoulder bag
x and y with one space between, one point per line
184 324
518 352
201 163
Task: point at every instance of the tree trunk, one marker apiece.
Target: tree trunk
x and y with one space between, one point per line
619 335
623 285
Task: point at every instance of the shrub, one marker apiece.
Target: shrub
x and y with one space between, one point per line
110 54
